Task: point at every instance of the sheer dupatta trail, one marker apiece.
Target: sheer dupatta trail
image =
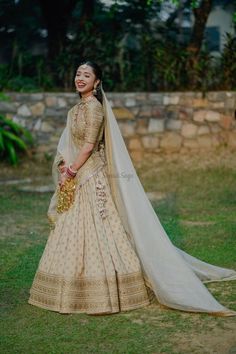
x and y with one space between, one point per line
175 276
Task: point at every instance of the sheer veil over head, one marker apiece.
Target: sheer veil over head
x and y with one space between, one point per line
175 277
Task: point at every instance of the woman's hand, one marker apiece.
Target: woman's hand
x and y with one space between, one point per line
63 179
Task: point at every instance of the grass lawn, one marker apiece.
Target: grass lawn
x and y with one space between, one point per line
198 213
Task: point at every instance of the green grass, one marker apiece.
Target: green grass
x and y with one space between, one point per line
198 214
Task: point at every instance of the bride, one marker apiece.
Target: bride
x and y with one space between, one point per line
107 251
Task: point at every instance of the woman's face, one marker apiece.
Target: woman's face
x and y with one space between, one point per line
85 79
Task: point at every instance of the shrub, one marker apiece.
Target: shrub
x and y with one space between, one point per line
14 139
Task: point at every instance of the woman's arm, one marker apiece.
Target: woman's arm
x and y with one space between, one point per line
83 156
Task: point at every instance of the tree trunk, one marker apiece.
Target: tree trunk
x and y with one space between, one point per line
56 20
201 15
87 11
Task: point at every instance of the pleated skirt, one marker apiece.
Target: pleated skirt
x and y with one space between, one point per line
88 264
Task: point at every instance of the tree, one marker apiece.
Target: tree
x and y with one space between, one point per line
56 22
201 14
201 11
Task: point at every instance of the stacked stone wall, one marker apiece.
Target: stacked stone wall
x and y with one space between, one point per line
149 122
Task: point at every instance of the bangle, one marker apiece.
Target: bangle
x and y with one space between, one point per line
70 173
73 171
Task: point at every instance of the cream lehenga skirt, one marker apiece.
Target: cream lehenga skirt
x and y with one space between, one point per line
88 264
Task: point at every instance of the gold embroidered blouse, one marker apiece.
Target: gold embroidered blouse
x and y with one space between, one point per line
87 122
87 125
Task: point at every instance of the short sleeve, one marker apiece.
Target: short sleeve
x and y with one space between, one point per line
94 120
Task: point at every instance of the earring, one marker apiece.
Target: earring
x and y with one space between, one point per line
95 91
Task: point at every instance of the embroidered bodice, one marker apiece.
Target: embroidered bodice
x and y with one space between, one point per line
87 122
87 125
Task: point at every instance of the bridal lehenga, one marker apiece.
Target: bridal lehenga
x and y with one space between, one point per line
109 252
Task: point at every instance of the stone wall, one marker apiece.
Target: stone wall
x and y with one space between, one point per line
149 122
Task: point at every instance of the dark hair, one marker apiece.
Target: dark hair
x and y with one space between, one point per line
98 73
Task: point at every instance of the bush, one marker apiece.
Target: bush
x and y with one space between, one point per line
136 61
14 139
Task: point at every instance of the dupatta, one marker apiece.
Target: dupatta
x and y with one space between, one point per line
175 276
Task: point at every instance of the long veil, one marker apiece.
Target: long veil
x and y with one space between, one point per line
175 277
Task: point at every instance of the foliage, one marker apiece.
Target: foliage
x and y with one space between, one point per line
228 63
140 63
13 140
4 97
28 74
136 49
170 64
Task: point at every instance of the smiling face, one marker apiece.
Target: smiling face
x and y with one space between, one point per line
85 80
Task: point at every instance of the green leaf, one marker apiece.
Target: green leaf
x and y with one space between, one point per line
12 152
14 138
234 17
16 127
2 119
4 97
2 146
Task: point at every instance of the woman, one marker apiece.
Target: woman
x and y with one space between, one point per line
107 251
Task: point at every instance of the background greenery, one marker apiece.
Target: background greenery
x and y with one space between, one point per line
14 139
42 44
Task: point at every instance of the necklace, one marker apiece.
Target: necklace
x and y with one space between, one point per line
87 98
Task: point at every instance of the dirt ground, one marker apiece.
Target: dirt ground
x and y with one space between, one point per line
219 157
214 341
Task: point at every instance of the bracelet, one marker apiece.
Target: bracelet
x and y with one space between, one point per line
73 171
70 173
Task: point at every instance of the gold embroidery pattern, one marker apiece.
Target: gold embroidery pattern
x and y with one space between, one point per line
89 169
101 150
89 294
94 121
87 123
78 124
101 198
91 175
